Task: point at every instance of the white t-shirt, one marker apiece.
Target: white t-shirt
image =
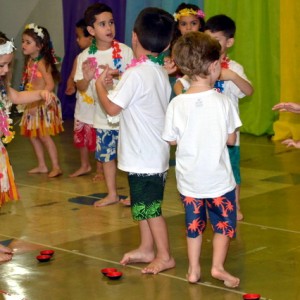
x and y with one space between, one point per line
200 123
102 57
228 88
143 93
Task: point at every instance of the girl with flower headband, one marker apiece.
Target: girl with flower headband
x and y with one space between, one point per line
39 122
188 17
8 95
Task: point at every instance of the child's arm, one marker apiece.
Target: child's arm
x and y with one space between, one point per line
244 85
28 96
71 86
231 139
287 106
111 108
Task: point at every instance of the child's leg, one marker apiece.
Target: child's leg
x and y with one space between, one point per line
85 166
52 151
39 152
110 173
163 260
99 171
239 214
145 252
220 249
194 253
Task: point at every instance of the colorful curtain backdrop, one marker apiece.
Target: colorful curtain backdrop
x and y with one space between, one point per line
288 125
73 10
257 49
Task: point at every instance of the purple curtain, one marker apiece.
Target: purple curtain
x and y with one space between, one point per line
73 10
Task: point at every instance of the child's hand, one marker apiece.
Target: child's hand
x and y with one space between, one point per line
170 65
108 75
287 106
47 96
89 68
71 88
290 143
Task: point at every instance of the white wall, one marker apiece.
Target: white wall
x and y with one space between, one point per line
15 14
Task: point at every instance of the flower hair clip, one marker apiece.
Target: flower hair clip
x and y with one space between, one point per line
187 12
36 29
7 48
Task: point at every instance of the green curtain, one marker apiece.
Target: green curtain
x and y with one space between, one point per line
257 49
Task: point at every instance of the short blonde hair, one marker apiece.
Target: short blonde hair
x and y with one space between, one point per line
194 52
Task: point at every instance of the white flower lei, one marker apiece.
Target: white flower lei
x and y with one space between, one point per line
36 29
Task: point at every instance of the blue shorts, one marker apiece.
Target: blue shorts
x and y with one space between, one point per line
106 144
234 155
146 195
221 211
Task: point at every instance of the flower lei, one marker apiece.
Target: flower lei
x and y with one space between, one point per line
219 84
7 48
36 29
155 59
187 12
5 120
26 81
116 56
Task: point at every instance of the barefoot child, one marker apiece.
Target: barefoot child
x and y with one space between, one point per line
142 96
103 50
8 190
201 122
39 122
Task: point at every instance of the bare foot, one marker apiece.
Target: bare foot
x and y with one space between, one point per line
55 173
106 201
193 275
98 177
126 201
137 256
159 265
5 253
81 171
229 280
38 170
239 215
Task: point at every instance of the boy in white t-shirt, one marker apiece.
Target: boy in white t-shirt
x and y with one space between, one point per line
141 97
201 122
104 50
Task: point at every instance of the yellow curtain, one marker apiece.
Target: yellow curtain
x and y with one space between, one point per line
288 125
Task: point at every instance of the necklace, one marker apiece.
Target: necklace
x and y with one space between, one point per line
155 59
116 56
5 120
29 74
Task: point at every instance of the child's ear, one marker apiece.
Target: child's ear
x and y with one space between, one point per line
230 42
90 30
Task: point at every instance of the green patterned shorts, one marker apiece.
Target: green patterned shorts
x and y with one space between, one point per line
146 193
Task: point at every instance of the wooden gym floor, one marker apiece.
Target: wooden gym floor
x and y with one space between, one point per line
58 214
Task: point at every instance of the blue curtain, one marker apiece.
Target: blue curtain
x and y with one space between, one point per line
73 10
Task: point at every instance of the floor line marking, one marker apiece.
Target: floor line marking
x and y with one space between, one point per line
207 284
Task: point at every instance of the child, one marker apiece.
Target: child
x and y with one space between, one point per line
38 121
188 17
290 107
142 96
8 95
103 50
84 133
232 82
201 122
